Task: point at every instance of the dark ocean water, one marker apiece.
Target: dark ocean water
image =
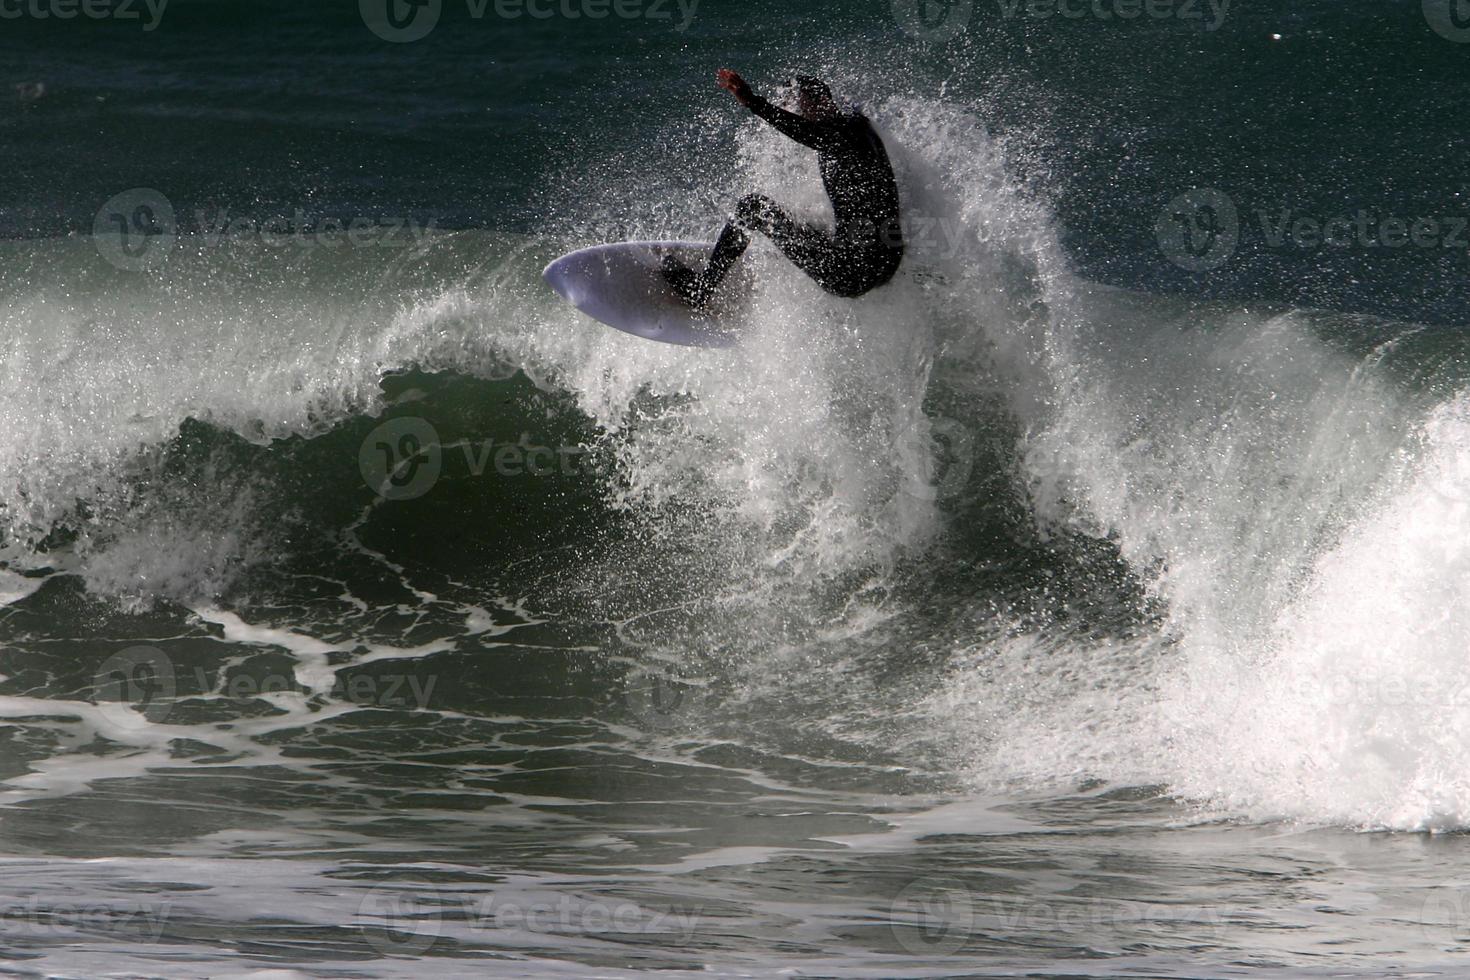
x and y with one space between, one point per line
1087 602
257 109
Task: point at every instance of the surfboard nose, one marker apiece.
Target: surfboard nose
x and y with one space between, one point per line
559 276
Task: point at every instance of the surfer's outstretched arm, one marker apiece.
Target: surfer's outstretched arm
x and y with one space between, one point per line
804 131
815 134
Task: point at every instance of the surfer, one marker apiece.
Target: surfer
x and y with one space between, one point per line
863 251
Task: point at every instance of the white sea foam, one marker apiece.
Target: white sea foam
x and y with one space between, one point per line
1295 511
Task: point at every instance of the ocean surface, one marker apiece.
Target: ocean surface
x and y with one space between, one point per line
1091 601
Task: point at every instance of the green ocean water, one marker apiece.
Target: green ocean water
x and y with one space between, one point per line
1086 602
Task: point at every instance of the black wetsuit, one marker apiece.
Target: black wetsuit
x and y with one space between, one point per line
865 248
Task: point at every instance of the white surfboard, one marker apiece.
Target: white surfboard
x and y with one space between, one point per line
621 285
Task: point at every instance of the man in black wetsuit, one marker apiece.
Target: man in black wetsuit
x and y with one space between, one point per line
863 251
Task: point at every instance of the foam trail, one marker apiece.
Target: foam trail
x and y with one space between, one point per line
1292 503
1364 686
1249 471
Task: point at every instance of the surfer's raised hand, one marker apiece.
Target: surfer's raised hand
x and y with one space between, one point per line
735 85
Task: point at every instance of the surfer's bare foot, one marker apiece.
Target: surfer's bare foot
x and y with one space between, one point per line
688 284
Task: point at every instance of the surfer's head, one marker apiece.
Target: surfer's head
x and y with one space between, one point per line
813 97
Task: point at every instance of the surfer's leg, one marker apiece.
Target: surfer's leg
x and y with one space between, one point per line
696 288
852 272
846 263
753 212
731 244
812 250
836 262
686 282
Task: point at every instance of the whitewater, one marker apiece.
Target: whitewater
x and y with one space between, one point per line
998 553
